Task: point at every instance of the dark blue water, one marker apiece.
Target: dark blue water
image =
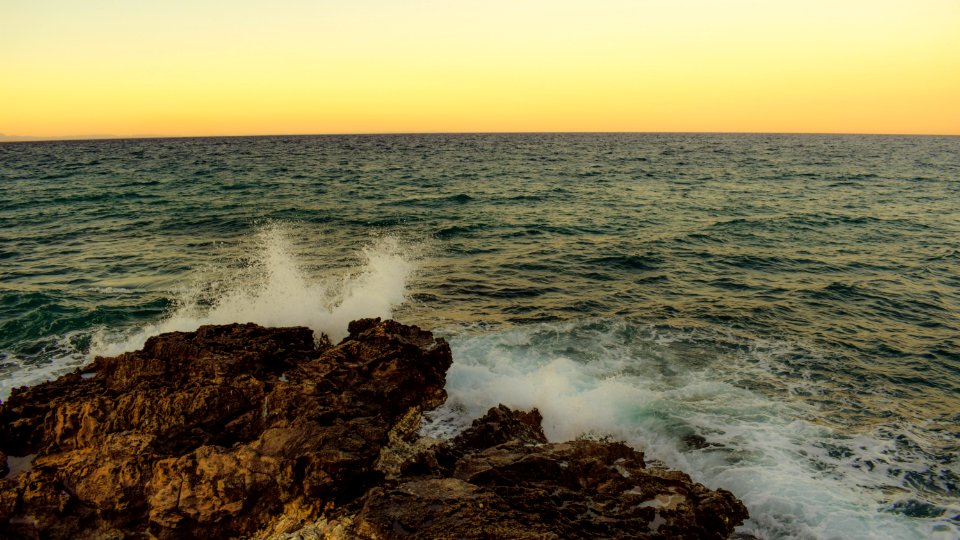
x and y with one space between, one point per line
778 315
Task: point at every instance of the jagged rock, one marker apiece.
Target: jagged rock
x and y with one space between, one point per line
243 431
499 425
213 433
501 479
444 508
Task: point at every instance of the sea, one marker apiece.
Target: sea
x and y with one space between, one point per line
776 315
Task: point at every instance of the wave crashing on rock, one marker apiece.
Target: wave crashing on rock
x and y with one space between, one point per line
245 431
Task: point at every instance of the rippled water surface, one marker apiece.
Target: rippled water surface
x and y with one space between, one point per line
777 315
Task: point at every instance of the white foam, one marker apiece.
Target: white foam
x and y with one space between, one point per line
64 358
608 379
273 288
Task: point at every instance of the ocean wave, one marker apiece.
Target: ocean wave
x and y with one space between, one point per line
678 395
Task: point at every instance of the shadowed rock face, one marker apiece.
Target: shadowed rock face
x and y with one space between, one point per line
244 431
501 479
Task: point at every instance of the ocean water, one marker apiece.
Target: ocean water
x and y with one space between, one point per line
778 315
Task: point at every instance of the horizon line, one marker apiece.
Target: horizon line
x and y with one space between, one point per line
108 137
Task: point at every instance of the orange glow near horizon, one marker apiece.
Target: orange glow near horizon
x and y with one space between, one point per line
106 67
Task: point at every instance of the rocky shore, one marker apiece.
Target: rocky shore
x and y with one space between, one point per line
241 431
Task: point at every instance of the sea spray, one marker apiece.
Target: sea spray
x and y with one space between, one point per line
272 288
679 398
64 353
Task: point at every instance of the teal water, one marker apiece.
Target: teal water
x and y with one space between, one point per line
778 315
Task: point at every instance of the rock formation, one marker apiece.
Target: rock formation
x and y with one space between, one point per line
501 479
244 431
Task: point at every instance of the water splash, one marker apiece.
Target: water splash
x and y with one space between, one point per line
274 288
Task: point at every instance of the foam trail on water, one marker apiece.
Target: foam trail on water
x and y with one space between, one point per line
274 290
609 379
15 372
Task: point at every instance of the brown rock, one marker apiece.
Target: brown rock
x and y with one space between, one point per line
243 431
507 482
213 433
444 508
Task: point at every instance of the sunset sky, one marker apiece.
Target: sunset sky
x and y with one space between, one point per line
204 67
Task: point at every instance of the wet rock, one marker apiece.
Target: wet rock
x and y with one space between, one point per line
444 508
695 441
501 479
213 433
499 425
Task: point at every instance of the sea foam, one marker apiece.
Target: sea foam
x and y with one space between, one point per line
680 402
64 357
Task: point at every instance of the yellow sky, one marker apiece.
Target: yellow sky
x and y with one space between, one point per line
205 67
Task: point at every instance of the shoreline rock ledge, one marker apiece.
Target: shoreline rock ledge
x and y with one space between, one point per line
240 431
